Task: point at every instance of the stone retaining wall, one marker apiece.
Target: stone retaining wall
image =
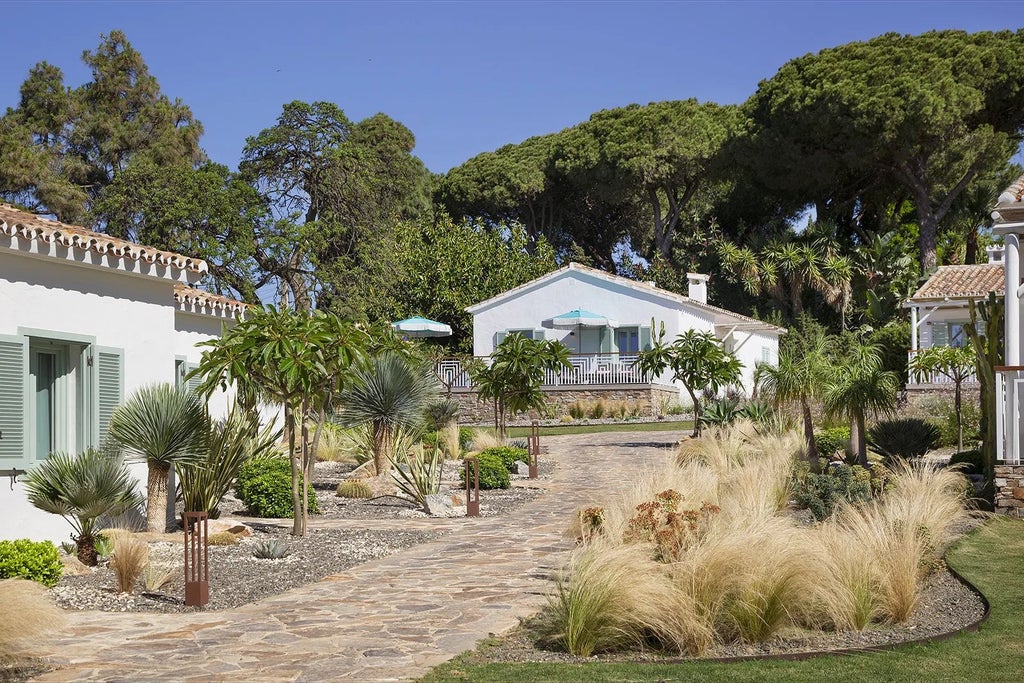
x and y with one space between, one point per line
1009 490
649 398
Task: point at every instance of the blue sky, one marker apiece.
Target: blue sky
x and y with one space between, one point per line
464 77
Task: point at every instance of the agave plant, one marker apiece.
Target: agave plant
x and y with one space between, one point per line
720 413
161 426
230 443
82 489
418 475
270 549
390 394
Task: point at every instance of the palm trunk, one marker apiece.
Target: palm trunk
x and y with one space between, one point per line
381 448
156 498
860 446
959 420
86 546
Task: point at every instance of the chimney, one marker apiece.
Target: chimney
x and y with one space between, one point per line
697 288
995 254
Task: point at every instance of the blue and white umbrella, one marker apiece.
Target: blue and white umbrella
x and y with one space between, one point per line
422 327
580 318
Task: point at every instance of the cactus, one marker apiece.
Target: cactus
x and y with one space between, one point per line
353 488
222 538
270 549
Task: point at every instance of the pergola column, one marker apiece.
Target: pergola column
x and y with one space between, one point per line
1011 266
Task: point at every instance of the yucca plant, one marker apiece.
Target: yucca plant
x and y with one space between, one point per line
392 393
82 489
442 412
161 426
229 444
904 438
418 474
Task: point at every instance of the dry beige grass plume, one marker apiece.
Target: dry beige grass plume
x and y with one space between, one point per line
128 559
26 616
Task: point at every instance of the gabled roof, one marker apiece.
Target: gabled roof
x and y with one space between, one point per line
720 315
31 234
962 282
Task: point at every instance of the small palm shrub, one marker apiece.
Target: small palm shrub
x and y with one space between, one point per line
270 549
354 488
442 412
265 486
508 455
839 483
832 441
230 443
493 473
128 560
37 616
418 475
35 561
82 489
903 439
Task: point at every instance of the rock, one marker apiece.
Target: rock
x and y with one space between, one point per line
231 526
364 471
73 566
438 505
522 469
381 486
458 501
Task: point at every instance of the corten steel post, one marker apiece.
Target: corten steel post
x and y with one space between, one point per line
534 447
197 560
472 476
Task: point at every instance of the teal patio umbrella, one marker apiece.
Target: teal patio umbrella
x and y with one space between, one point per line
422 327
579 319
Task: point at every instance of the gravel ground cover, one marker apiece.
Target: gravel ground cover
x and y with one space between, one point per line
945 605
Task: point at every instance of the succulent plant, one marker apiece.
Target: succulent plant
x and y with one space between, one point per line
222 538
353 488
270 549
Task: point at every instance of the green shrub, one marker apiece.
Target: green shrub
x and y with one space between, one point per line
429 438
265 486
465 438
905 438
354 488
493 473
832 441
821 493
973 461
25 559
508 455
943 415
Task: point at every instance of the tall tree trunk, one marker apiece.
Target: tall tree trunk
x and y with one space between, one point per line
812 447
860 447
959 418
696 411
293 458
156 497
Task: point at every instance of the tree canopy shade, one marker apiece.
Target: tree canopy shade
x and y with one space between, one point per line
926 113
61 147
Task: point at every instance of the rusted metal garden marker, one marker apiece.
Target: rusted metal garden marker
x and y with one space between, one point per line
472 477
533 443
197 560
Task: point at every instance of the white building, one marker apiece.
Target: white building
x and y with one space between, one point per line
85 320
939 309
625 310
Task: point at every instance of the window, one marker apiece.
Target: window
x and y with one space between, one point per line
957 336
628 339
766 354
56 394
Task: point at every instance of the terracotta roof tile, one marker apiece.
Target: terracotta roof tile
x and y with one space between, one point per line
24 225
962 282
191 297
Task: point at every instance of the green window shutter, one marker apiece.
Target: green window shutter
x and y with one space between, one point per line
940 334
645 339
192 383
499 337
13 383
538 335
109 388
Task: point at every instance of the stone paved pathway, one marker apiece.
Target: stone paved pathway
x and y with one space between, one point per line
386 620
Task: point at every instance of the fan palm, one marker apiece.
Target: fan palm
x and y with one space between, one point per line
161 426
861 387
82 489
391 393
798 378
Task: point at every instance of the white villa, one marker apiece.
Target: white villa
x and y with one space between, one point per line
939 308
85 319
605 320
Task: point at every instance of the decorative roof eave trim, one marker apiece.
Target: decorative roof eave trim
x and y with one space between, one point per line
198 302
750 327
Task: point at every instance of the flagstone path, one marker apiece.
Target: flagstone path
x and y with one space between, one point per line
386 620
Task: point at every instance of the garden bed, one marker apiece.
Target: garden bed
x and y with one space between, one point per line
945 606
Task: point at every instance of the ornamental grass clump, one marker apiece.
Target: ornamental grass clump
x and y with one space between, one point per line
702 551
128 560
26 614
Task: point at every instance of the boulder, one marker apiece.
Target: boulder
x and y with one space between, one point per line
522 469
364 471
231 526
73 566
438 505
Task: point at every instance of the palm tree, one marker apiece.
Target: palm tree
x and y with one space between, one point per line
82 489
390 394
798 378
162 426
859 388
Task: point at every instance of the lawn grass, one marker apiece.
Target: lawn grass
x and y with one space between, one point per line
560 430
990 558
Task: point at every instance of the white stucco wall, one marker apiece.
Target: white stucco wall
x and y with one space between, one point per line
949 314
135 314
751 348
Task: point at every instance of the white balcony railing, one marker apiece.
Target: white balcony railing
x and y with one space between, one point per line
1009 396
935 379
586 369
